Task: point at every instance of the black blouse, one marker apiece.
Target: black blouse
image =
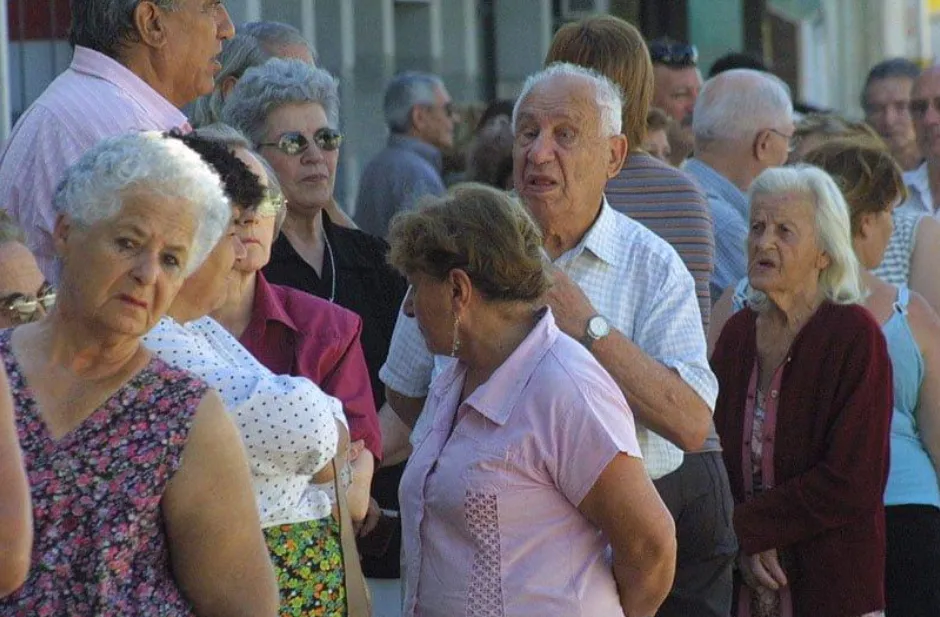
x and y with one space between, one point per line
365 284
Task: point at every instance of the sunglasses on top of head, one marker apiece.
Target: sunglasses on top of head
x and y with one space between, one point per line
295 142
673 53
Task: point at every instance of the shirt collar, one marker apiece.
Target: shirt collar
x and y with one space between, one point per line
602 239
423 149
96 64
497 397
716 184
917 179
267 307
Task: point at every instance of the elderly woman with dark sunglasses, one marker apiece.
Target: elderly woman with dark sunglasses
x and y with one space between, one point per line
25 295
290 112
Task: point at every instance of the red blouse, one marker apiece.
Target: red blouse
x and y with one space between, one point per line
295 333
825 511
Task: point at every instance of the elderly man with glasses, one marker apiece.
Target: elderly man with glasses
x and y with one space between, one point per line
743 124
136 64
420 117
923 184
25 295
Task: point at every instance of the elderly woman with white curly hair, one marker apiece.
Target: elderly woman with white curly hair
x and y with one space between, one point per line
804 409
141 490
290 112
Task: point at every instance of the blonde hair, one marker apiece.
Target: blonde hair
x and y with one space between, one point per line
615 49
870 179
480 230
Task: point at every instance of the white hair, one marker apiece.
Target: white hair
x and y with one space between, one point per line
93 189
608 96
841 281
734 105
403 92
275 83
254 44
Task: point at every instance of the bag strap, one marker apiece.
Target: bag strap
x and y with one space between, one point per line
358 599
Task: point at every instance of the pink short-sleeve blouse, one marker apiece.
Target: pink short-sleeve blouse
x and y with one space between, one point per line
490 518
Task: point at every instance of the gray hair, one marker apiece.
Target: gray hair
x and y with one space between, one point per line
232 138
93 189
736 104
275 83
893 68
9 230
608 96
841 282
403 92
254 44
106 25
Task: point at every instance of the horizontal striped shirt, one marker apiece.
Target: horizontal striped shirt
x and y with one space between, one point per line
665 201
96 97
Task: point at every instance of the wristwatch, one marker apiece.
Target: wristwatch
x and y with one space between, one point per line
597 328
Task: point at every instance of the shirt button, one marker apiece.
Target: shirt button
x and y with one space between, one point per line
773 394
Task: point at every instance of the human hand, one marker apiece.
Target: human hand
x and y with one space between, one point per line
371 519
570 306
762 570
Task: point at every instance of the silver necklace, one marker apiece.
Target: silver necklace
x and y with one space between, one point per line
329 250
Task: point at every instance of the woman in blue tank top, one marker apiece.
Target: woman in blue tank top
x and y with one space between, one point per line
872 185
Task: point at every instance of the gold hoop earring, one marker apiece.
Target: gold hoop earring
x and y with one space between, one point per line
455 344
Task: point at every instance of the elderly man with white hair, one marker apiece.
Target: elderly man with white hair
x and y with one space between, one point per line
618 288
136 64
743 124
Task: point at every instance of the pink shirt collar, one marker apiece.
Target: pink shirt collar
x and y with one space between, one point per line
96 64
496 398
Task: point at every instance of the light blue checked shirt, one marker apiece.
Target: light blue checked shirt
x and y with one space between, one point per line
638 282
730 215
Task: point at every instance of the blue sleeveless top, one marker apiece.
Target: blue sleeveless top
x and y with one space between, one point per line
911 475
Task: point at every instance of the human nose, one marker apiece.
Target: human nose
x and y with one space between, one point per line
408 308
541 149
226 27
146 268
313 153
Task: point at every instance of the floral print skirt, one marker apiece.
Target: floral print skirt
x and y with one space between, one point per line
308 560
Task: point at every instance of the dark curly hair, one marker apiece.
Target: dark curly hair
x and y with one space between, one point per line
242 186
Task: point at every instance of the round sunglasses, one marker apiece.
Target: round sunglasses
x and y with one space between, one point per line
295 142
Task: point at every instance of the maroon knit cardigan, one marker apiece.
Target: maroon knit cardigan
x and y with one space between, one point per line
825 515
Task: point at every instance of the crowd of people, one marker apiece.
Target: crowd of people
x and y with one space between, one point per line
658 345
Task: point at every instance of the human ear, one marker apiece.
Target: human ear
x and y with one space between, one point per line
619 146
148 20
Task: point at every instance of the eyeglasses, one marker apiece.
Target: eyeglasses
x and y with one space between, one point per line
672 53
23 308
272 203
919 106
791 145
449 109
295 142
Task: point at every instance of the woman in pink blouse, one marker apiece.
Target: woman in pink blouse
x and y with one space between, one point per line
528 468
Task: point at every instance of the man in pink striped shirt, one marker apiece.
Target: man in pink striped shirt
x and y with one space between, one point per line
136 64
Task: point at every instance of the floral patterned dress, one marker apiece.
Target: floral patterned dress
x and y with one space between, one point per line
100 546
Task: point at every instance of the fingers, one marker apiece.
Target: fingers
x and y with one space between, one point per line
760 572
772 566
356 448
371 519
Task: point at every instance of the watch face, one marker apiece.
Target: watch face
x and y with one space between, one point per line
598 327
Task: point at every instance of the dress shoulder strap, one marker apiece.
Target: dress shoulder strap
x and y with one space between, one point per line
904 297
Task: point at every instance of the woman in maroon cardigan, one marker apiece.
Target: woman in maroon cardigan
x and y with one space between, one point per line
804 410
